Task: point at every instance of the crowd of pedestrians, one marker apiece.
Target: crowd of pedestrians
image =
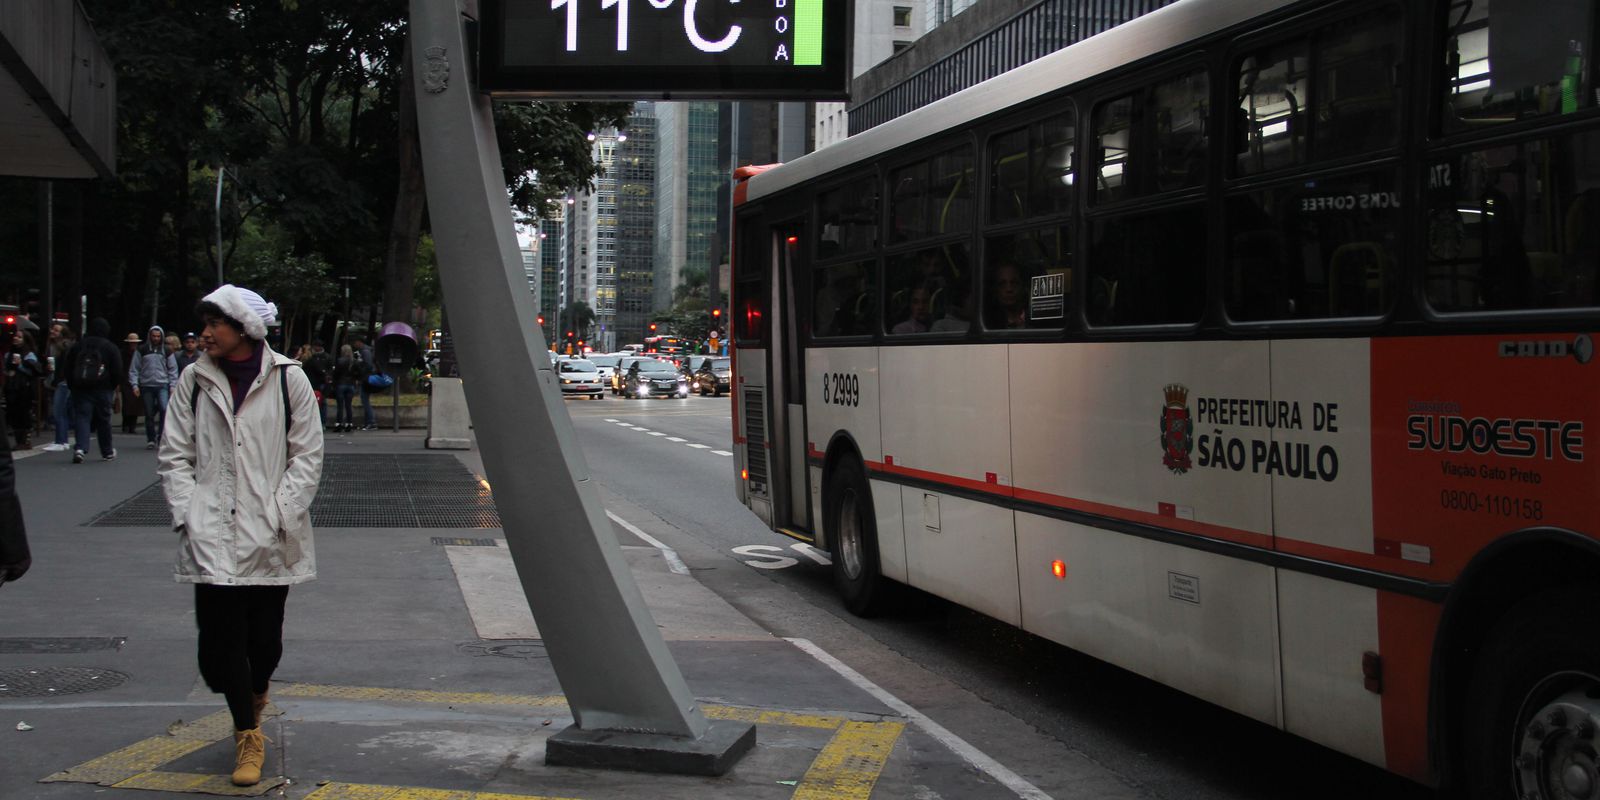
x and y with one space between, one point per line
83 383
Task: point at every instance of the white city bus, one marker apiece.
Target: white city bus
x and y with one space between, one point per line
1245 346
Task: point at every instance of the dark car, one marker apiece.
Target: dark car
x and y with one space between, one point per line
713 376
651 378
619 376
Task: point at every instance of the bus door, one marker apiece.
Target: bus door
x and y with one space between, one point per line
786 373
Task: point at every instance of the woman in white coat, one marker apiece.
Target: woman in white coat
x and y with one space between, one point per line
239 462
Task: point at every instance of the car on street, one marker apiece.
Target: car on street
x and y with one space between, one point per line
713 376
606 365
648 377
620 376
579 377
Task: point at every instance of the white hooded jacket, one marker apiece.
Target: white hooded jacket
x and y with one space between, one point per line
240 485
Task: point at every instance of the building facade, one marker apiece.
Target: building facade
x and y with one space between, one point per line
635 173
882 29
690 178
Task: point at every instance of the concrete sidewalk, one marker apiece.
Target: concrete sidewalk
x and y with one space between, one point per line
412 668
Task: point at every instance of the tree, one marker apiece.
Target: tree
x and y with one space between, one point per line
577 317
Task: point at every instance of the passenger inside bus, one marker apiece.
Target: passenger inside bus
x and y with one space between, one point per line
1007 299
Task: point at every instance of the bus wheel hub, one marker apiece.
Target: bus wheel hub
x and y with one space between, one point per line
1557 758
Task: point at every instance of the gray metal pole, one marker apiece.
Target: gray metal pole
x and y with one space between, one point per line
609 656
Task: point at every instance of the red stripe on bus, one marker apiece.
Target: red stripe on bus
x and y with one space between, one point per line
1406 627
970 484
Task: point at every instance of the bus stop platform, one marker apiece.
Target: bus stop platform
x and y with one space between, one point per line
412 668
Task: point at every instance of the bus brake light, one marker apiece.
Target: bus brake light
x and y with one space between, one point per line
1058 568
744 474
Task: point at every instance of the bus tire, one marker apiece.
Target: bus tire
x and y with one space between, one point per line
853 537
1533 704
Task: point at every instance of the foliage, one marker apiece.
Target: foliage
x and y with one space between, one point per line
577 317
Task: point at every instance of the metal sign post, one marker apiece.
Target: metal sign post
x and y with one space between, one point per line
631 706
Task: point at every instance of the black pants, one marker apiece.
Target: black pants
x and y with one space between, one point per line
241 640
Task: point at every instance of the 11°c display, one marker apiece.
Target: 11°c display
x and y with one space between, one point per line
723 49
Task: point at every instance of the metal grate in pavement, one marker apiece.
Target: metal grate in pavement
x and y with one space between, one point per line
457 541
361 491
53 681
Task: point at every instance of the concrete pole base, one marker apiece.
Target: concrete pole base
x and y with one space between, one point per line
449 425
713 754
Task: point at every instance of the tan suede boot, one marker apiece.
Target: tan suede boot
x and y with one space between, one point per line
260 704
251 749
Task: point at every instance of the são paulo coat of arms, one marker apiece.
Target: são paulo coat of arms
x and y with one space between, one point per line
1177 429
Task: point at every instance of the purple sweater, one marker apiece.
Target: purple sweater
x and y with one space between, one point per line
241 374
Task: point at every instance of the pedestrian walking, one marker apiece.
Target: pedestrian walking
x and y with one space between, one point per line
319 369
152 375
189 354
94 370
14 556
369 422
239 465
348 374
127 398
61 412
23 371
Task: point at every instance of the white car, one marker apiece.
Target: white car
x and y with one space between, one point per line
579 377
606 365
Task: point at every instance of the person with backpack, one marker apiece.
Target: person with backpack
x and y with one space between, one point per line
368 366
239 465
152 375
319 368
93 369
23 371
348 374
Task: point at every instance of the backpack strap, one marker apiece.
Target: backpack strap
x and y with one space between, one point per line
288 412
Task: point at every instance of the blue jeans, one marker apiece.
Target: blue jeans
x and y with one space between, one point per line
93 406
61 409
347 394
155 410
366 407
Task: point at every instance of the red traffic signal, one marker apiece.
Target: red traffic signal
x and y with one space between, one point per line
541 319
652 327
716 312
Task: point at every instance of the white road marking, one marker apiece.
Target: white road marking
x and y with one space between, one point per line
765 551
721 453
657 433
700 446
676 439
972 755
673 562
812 553
609 419
642 430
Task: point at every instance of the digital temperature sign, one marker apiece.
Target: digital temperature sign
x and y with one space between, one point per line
671 49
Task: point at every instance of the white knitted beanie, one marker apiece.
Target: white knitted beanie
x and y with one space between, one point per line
246 308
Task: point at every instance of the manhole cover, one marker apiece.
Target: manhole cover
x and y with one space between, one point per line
52 681
63 644
506 648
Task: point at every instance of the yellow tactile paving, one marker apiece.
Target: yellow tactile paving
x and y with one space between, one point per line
150 753
849 766
364 791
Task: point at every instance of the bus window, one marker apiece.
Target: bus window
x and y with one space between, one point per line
849 219
1357 86
842 301
1515 226
1148 268
1031 170
1011 263
932 197
1155 141
1272 105
929 291
1506 61
1314 249
750 268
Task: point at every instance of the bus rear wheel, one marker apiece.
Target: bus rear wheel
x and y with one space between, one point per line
1533 707
853 538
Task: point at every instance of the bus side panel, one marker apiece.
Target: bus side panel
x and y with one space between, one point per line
1477 436
1321 462
1325 626
842 395
1145 432
946 419
1198 622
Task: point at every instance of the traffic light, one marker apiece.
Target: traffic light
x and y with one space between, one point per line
541 320
652 327
716 314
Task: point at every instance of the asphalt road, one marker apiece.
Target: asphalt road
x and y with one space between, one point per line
667 456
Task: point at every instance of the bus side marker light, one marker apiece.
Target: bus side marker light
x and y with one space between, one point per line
1372 672
744 474
1058 568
